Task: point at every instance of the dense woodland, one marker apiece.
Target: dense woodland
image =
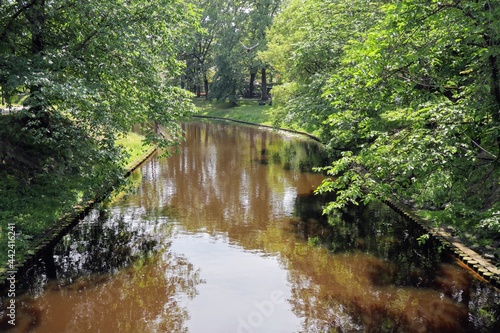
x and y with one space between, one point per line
404 94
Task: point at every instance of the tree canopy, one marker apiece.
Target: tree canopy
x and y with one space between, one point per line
405 93
223 57
90 70
102 65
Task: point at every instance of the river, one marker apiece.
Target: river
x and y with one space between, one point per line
226 235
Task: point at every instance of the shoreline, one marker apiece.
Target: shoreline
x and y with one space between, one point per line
469 258
53 235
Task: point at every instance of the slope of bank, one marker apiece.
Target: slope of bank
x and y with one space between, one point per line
36 211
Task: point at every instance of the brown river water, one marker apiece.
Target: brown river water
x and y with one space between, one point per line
226 236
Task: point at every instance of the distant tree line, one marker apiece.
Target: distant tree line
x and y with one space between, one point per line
222 59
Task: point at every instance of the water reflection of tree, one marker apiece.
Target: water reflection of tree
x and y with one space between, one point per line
145 297
115 274
223 175
104 243
234 181
373 229
380 278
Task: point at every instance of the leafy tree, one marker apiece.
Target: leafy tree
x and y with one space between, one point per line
91 70
243 26
105 63
417 101
305 45
409 100
261 18
199 52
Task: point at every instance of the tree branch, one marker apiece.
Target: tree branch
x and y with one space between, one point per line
14 17
84 43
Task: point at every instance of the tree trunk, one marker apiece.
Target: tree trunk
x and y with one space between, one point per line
495 78
36 18
251 86
205 83
264 95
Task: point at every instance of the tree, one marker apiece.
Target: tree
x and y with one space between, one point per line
91 70
103 64
199 53
417 101
305 46
242 27
260 20
405 94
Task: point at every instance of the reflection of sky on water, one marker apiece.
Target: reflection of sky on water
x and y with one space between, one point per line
238 289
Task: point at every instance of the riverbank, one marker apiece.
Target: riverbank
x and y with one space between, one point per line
33 220
479 253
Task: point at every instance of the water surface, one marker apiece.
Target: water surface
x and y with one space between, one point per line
226 236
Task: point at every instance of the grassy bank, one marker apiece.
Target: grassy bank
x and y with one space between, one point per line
30 210
247 110
16 100
133 145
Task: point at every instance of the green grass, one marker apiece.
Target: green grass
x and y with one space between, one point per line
134 146
247 110
16 100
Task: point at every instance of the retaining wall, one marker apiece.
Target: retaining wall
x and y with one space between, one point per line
467 256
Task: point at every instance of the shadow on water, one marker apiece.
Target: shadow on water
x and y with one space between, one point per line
382 279
239 201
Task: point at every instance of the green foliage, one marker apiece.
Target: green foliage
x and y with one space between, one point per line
104 63
423 239
305 45
43 179
410 98
90 70
233 32
437 153
313 241
492 223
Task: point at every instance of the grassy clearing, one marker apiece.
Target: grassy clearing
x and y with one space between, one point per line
247 110
16 100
